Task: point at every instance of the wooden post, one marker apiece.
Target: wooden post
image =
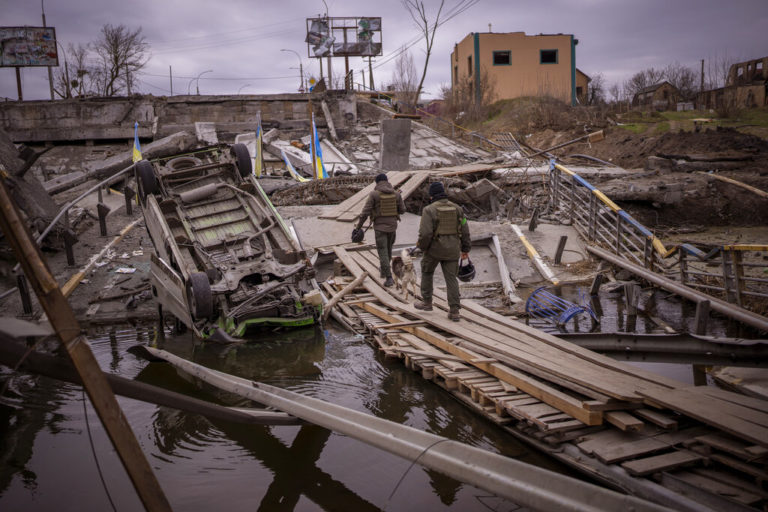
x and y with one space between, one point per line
701 318
103 210
63 321
560 249
333 300
534 220
18 83
596 282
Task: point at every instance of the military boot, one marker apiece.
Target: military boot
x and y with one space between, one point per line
454 315
424 306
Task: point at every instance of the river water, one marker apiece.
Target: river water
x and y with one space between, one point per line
50 434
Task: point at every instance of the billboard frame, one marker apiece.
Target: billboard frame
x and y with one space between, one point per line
34 49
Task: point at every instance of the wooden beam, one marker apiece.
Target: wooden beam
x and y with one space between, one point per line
63 321
333 300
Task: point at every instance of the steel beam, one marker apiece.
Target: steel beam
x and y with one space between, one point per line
524 484
674 348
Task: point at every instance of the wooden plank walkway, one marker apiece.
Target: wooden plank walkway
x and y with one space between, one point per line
651 428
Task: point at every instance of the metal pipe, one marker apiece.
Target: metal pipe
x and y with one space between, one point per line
525 484
735 312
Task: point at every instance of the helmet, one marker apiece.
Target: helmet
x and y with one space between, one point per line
358 235
466 271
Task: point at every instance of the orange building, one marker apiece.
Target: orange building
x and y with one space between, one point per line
518 65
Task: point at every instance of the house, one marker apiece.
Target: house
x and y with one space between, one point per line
661 96
582 87
516 64
746 86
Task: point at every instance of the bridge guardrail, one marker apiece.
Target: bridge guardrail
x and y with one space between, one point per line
742 275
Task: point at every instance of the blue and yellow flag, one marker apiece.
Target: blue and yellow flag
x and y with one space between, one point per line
317 152
136 145
258 163
288 165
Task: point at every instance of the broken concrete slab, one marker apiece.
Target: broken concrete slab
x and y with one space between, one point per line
179 142
206 133
395 145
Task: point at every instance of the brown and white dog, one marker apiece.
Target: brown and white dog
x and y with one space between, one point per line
403 273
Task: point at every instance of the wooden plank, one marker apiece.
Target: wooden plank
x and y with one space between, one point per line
623 420
731 479
718 487
578 377
559 367
535 388
620 451
736 398
710 493
657 463
730 446
724 415
657 418
738 465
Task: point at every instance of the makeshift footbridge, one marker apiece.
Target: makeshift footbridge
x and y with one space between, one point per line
685 447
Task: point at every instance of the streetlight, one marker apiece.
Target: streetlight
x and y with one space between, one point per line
243 87
301 69
197 81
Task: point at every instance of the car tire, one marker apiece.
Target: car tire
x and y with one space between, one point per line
243 159
199 296
145 175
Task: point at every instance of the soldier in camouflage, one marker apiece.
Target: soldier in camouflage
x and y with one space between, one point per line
384 205
444 238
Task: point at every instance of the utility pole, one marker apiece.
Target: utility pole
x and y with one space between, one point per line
50 73
370 73
170 74
701 85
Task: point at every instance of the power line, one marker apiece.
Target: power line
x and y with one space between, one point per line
223 78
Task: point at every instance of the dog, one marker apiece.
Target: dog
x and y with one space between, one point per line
403 273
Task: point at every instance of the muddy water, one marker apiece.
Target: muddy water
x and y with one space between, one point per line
47 434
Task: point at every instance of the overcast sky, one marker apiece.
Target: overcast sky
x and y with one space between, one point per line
240 40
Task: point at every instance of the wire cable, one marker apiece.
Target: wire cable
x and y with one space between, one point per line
93 451
425 450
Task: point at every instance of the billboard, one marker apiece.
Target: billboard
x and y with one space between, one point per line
343 37
28 46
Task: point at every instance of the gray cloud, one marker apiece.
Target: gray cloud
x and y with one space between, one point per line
240 40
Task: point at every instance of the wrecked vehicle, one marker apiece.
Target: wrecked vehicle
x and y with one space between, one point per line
225 263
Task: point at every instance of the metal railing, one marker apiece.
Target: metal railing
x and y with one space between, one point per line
741 277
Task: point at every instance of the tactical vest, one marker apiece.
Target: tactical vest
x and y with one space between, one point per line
387 205
447 221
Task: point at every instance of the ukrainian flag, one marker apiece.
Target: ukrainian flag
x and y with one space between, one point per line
317 152
258 163
136 145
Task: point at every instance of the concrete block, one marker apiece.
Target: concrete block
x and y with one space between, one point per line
395 144
206 133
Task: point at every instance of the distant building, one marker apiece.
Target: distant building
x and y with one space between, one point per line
661 96
519 65
582 87
747 86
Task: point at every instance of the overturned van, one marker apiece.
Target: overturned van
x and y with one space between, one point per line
225 263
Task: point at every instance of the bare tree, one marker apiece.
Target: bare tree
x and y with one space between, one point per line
120 54
428 26
464 102
617 93
596 90
643 79
404 81
418 13
75 78
717 70
683 78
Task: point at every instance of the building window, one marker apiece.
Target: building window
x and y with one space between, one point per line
502 58
548 56
456 74
469 65
579 91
